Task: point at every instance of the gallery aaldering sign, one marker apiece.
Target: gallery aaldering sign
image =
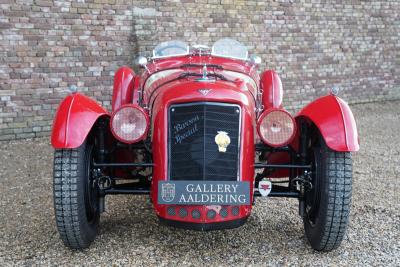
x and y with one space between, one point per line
203 193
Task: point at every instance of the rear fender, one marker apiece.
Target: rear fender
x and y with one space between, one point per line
74 119
335 121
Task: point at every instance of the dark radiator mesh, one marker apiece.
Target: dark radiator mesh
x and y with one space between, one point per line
193 152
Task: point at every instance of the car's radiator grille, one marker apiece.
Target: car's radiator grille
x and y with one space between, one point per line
193 152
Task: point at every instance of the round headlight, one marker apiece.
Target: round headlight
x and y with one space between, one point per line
129 124
276 127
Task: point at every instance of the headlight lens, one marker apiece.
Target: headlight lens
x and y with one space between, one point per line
129 124
276 127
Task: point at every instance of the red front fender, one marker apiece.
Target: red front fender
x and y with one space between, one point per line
123 91
335 122
271 85
74 119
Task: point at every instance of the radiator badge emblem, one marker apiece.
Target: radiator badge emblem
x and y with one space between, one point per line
168 192
204 92
264 187
222 140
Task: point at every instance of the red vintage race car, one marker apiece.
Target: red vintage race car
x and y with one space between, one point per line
202 133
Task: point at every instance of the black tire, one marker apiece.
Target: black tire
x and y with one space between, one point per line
328 203
75 197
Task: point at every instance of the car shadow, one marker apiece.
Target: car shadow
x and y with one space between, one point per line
139 225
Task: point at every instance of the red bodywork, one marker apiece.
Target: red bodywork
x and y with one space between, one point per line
271 85
335 122
187 91
74 119
77 114
124 81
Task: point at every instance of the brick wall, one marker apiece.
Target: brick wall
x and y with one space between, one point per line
45 46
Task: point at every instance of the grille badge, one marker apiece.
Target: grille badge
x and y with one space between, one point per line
223 140
204 92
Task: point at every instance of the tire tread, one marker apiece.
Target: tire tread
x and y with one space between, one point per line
339 178
69 211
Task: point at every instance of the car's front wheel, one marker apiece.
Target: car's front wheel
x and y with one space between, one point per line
327 205
76 201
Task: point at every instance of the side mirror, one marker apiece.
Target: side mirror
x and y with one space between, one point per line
256 60
141 61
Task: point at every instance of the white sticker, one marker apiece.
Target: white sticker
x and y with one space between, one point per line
264 187
216 208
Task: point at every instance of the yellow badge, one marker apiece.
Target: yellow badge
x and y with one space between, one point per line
222 140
